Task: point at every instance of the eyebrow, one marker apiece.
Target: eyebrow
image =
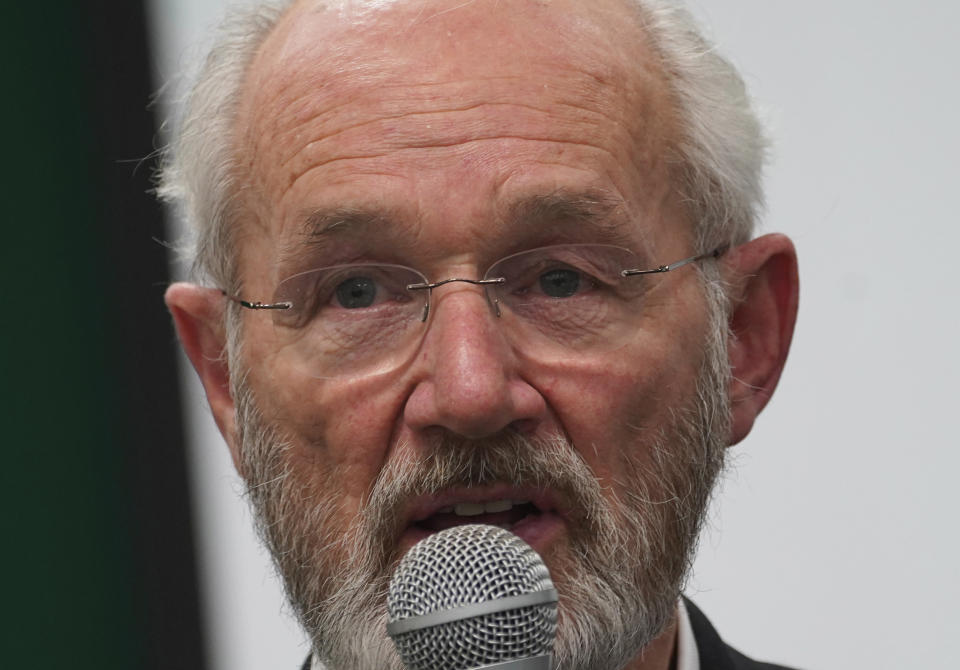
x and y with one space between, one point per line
601 212
322 223
320 228
593 215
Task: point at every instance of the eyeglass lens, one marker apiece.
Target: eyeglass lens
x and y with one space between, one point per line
556 301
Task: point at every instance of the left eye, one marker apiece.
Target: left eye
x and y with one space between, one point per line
356 292
560 283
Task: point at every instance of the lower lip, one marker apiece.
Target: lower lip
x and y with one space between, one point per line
540 531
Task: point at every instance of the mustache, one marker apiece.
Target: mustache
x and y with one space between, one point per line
448 462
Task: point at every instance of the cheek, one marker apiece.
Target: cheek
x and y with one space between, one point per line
616 406
340 429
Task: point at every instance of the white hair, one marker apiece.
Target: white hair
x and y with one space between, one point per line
717 157
721 147
199 170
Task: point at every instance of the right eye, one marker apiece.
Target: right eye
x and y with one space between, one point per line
351 297
560 283
346 292
356 292
363 288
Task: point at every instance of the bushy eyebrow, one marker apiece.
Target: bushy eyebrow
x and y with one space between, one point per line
322 223
602 213
592 216
318 231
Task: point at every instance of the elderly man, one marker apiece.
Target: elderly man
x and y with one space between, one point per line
484 261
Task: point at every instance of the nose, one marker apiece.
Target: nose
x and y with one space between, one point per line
468 378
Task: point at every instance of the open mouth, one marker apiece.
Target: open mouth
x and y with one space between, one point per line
505 513
535 515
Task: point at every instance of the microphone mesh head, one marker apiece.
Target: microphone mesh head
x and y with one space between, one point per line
468 565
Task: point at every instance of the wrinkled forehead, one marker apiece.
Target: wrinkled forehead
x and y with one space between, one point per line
331 68
329 55
378 37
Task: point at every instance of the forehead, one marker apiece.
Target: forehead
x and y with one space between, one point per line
341 46
452 98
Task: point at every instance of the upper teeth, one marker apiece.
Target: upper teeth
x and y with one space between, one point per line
474 509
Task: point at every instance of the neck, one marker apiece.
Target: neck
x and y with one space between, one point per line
659 654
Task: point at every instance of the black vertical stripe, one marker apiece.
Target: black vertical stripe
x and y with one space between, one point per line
148 377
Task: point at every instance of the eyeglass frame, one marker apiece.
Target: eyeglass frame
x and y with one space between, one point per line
429 286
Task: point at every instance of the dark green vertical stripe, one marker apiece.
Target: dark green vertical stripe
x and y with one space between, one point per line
98 553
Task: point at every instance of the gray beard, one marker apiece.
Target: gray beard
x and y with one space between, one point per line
627 559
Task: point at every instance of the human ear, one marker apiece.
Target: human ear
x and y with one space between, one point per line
198 316
764 285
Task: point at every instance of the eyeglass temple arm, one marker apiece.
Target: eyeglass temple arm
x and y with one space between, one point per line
258 304
716 253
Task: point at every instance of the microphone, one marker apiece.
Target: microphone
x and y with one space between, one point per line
472 597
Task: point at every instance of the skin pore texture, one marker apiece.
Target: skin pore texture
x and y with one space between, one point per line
413 133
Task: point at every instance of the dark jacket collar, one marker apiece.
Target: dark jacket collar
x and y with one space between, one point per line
714 653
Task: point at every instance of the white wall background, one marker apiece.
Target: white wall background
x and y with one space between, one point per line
834 543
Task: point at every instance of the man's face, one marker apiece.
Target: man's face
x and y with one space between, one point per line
435 127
